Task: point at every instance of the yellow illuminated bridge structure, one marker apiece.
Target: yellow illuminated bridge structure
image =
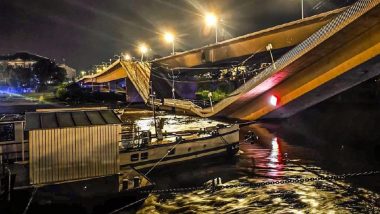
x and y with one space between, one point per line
327 54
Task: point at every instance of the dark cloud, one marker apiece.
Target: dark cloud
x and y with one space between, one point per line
87 32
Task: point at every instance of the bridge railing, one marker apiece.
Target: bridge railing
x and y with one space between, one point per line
199 103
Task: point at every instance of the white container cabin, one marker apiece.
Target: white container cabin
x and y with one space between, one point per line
72 145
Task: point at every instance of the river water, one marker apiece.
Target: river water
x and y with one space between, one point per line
271 158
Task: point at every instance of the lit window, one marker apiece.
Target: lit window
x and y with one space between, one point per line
7 132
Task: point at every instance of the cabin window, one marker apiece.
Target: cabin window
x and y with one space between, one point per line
189 149
171 152
135 157
204 146
144 155
26 135
7 132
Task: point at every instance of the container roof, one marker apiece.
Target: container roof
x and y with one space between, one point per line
66 119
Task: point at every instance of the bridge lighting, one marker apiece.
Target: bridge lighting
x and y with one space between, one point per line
143 50
211 20
169 38
273 100
127 57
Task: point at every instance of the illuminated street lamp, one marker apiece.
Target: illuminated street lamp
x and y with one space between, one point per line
169 38
143 50
83 73
127 57
211 20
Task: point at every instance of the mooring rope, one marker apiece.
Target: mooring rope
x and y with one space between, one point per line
30 200
154 166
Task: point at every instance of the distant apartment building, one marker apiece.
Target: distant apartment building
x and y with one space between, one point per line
25 60
17 60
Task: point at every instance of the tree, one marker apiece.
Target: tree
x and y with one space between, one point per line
58 75
69 91
20 77
47 71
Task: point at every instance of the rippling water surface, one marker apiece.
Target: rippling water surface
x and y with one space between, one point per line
269 159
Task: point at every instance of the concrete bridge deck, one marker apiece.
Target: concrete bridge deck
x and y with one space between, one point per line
342 51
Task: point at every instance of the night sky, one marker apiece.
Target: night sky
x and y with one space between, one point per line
88 32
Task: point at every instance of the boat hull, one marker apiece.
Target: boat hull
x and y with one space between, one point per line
225 142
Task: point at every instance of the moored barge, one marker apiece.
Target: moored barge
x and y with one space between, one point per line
68 158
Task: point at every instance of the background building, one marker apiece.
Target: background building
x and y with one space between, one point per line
22 63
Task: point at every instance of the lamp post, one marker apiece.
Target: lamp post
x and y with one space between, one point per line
210 98
211 20
169 38
302 9
269 48
143 49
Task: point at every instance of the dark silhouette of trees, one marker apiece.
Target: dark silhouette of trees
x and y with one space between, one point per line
20 77
47 72
43 73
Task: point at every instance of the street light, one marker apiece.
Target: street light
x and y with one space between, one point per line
169 38
127 57
302 8
143 50
211 20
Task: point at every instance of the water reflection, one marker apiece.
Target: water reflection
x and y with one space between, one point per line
269 159
275 159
